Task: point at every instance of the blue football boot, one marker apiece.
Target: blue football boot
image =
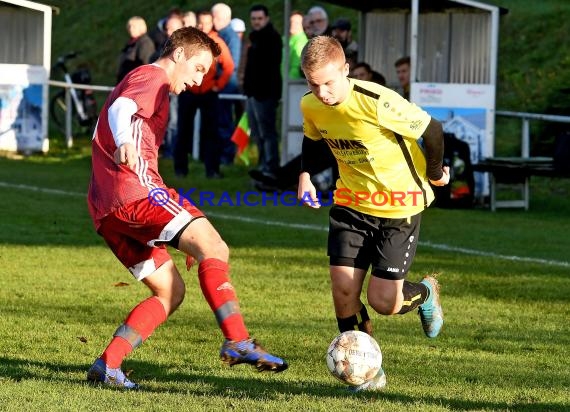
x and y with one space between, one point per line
101 373
431 313
249 351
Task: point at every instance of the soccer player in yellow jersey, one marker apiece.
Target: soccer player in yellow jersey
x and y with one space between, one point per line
383 187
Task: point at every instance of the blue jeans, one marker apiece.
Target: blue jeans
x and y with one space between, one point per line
227 123
262 117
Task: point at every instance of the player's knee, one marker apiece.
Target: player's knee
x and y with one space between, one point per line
384 306
344 294
219 250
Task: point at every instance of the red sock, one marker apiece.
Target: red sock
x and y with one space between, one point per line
141 322
221 296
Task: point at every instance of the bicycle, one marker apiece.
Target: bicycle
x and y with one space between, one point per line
84 105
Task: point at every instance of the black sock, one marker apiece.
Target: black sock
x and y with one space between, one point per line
360 321
414 295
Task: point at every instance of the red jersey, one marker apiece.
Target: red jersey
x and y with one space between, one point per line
112 185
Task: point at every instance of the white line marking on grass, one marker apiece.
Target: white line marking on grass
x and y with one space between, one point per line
42 189
438 246
494 255
269 222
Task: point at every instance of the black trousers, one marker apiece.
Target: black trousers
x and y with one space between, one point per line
210 141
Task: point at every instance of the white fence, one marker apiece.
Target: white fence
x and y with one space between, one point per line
70 105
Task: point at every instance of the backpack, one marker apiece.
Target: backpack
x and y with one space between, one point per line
459 192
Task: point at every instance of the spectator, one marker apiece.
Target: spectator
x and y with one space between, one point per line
138 50
307 27
297 40
363 71
238 25
158 34
262 86
205 98
319 22
189 19
403 71
222 17
342 31
172 23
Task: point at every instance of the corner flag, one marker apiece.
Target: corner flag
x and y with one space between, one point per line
241 138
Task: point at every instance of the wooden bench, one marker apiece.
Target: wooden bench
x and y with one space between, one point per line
515 171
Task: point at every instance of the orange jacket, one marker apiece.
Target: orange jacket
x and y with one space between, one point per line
220 71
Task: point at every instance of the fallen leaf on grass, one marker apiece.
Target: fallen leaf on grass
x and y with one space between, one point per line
120 284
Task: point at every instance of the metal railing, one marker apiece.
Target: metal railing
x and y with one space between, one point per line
69 104
70 107
526 118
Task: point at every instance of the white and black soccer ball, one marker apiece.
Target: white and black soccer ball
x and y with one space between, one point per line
354 357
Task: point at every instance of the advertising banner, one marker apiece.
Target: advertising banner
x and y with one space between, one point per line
465 110
23 108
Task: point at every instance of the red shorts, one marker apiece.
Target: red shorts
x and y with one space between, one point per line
137 233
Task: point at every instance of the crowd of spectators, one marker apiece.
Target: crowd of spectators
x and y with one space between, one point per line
251 67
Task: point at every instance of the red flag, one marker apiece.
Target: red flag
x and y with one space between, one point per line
241 138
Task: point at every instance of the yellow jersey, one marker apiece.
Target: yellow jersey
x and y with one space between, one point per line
373 134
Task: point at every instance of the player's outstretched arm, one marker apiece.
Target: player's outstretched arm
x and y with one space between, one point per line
311 151
433 141
120 115
307 192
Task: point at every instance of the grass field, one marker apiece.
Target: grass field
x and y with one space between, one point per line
505 279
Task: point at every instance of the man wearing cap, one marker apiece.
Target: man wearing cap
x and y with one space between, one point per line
222 16
238 25
341 30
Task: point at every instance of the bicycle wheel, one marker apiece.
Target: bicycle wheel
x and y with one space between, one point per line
58 111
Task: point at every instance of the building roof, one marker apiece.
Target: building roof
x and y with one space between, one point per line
31 5
425 5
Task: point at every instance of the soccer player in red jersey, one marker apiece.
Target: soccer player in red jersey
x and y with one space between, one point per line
138 215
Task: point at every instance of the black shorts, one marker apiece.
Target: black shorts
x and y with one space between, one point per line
360 240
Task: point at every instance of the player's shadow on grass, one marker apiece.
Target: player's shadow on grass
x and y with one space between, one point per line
273 386
257 389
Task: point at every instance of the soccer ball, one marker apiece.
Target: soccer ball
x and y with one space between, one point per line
354 357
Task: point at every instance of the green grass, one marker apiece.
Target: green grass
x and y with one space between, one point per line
505 345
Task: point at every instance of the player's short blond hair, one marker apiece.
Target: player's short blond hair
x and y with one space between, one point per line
320 51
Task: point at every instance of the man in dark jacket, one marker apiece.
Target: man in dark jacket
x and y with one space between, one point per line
262 86
138 50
